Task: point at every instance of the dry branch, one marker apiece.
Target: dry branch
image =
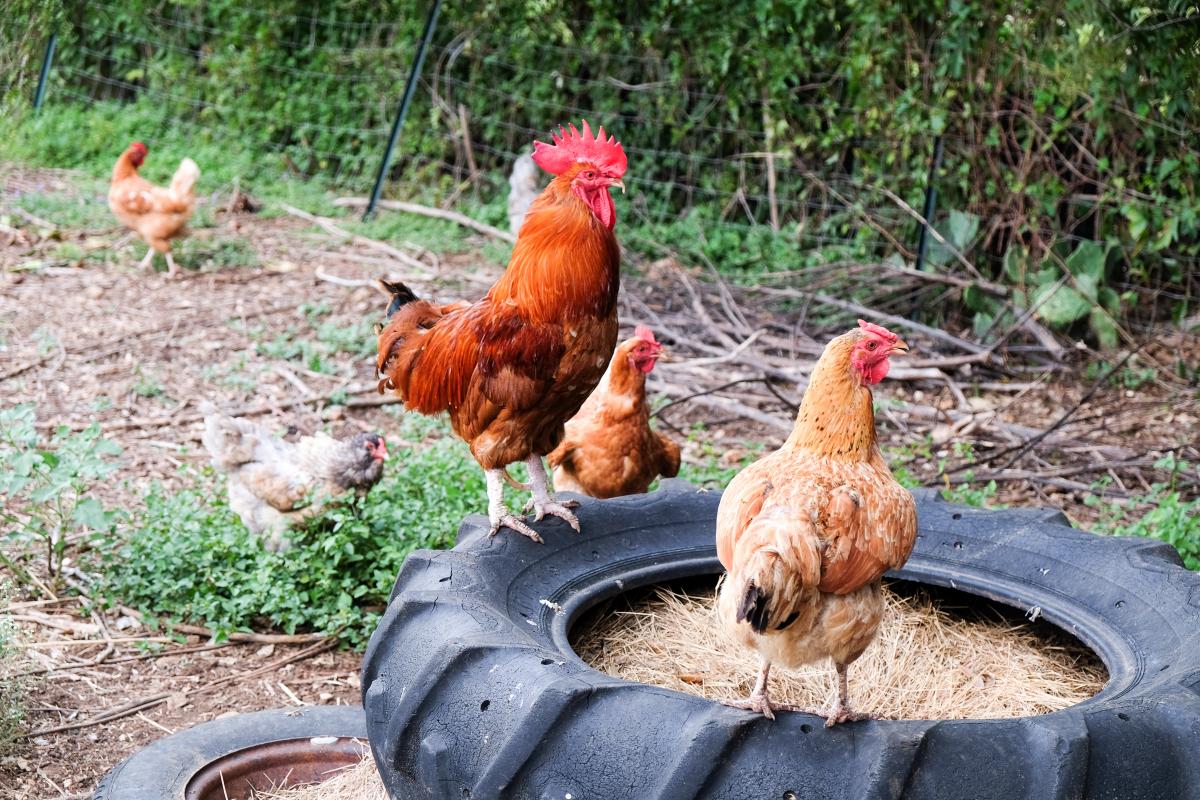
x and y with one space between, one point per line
427 211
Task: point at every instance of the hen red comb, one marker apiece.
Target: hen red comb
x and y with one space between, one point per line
138 146
645 334
878 330
571 147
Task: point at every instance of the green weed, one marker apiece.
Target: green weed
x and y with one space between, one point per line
186 556
45 486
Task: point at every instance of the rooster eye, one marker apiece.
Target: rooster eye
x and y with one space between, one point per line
872 345
589 174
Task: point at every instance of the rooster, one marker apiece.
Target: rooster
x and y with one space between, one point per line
152 212
609 449
513 367
806 533
275 484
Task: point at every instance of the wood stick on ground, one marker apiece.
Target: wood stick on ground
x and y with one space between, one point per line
427 211
858 308
235 636
331 227
1062 419
158 698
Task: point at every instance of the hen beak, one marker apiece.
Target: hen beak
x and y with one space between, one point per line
619 184
900 346
381 451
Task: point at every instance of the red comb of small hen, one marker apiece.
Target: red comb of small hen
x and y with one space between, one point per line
139 146
878 330
645 334
572 146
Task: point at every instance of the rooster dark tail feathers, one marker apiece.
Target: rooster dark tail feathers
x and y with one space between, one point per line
399 293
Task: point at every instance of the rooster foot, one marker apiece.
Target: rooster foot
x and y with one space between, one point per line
514 523
556 509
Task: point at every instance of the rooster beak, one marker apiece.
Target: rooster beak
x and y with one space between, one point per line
900 346
621 184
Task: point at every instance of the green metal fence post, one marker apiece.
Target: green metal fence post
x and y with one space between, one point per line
45 74
930 202
410 89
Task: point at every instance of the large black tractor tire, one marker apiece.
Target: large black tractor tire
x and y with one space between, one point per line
471 688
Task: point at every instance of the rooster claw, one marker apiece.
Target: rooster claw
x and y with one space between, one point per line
514 523
555 509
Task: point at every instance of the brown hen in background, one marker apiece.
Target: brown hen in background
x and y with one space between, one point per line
609 449
154 213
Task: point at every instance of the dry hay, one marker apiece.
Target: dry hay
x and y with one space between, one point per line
357 782
926 663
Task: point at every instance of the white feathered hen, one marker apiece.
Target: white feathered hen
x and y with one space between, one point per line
275 484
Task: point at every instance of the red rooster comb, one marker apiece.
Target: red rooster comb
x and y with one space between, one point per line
139 147
645 334
571 147
878 330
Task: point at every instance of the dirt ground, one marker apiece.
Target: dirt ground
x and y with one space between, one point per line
90 338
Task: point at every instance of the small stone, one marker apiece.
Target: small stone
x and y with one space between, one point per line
266 651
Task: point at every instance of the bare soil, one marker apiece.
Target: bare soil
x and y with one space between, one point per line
92 339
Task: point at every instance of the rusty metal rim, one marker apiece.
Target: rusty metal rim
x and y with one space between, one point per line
278 764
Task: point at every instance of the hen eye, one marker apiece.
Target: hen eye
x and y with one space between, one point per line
589 174
872 345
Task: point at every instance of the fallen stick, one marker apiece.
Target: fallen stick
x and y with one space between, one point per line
158 698
331 227
428 211
235 636
243 411
849 305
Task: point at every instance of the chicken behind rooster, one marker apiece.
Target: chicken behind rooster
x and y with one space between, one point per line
275 484
806 533
154 213
609 449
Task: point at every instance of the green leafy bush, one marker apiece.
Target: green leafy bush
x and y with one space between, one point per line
45 488
1062 124
188 557
1163 513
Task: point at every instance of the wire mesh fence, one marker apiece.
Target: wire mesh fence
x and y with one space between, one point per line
792 181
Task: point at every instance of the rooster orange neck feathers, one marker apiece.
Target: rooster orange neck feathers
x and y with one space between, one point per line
578 233
837 415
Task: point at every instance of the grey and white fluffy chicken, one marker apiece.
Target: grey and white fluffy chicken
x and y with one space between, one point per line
274 484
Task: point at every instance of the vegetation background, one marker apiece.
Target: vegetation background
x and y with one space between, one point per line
1063 126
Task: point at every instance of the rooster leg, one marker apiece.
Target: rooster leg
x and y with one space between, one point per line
760 697
543 502
148 261
498 514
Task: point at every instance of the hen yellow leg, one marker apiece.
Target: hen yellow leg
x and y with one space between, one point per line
148 261
172 270
841 706
760 696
